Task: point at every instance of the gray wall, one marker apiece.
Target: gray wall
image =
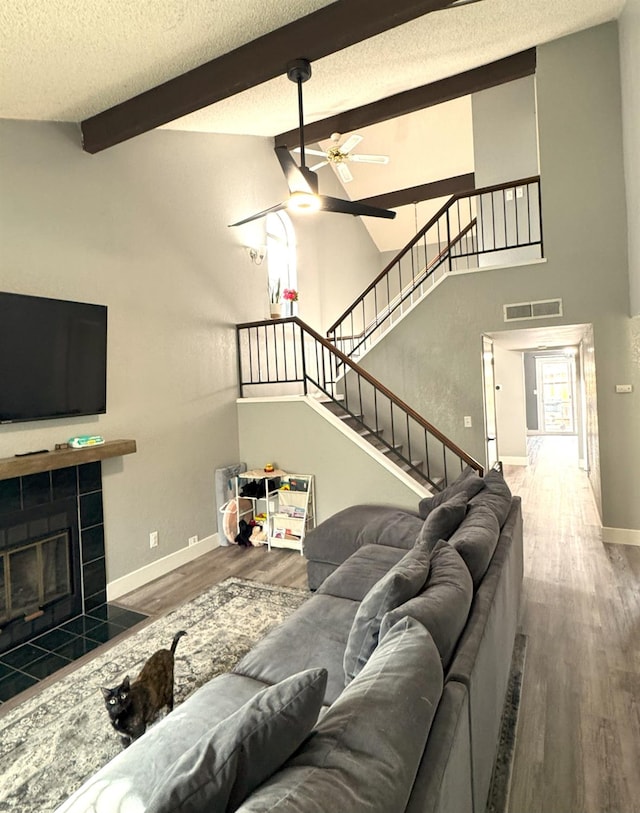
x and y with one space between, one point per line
143 228
629 25
293 436
434 358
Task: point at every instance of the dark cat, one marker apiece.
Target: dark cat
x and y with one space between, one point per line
133 705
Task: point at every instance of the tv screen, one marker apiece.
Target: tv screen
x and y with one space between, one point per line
53 358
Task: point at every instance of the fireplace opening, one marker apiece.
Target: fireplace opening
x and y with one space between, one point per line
35 575
40 581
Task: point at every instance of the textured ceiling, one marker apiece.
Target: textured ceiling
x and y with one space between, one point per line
65 60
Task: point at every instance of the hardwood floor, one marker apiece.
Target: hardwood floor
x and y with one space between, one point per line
578 744
278 566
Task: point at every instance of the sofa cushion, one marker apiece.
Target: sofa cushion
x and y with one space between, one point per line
476 540
237 755
496 494
336 538
355 760
404 580
443 520
357 575
443 604
315 635
469 483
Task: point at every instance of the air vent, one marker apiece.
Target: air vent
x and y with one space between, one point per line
542 309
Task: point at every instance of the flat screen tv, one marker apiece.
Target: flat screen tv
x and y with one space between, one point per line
53 358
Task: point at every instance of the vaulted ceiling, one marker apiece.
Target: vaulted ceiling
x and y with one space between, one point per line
124 67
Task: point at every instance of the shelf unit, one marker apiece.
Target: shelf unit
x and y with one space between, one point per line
286 511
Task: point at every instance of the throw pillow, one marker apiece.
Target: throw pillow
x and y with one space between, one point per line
468 483
443 605
404 580
443 520
355 759
244 750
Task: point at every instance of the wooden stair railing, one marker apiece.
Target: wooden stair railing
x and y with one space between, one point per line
287 355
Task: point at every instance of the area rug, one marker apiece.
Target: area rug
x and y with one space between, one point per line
498 801
52 742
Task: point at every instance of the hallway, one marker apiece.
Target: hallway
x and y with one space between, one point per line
578 744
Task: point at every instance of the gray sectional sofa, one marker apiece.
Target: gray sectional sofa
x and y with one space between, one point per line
382 692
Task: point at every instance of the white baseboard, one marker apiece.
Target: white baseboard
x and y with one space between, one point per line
146 574
515 461
621 536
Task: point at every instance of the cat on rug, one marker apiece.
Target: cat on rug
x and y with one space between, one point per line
132 705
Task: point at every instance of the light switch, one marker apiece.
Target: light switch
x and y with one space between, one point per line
624 387
467 421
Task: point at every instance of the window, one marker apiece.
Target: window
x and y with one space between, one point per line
281 257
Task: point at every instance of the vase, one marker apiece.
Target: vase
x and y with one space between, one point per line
275 310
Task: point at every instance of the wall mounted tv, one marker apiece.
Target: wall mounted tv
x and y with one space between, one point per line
53 358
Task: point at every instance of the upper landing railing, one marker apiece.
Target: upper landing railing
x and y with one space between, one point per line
495 225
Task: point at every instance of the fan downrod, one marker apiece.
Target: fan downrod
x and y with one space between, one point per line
299 70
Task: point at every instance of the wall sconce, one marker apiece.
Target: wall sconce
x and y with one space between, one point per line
257 254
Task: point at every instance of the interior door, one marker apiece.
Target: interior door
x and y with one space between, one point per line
489 385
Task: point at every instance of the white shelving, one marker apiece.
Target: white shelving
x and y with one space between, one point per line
285 508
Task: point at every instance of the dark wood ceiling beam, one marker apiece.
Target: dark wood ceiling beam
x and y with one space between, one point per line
325 31
426 191
495 73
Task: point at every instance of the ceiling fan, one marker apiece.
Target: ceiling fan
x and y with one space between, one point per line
302 180
338 154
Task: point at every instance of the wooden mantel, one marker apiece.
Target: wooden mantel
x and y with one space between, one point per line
63 458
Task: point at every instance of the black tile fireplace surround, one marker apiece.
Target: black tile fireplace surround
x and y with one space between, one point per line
34 510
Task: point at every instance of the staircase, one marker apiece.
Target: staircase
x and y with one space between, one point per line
472 230
286 356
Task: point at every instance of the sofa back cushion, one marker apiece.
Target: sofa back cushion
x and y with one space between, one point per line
476 540
496 495
364 752
468 483
227 763
443 604
404 580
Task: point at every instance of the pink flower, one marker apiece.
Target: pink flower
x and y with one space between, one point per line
290 295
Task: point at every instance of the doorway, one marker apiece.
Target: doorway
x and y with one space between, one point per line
556 386
489 387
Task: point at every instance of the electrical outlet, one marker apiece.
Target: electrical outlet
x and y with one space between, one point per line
193 540
467 421
153 539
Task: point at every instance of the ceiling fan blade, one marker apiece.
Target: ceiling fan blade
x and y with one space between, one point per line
317 166
351 142
308 151
352 207
369 159
344 172
297 181
260 214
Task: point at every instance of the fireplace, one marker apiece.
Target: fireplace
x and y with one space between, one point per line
52 563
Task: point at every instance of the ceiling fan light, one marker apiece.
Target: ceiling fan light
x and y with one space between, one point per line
303 202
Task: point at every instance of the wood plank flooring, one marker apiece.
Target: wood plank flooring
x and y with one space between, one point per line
578 745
